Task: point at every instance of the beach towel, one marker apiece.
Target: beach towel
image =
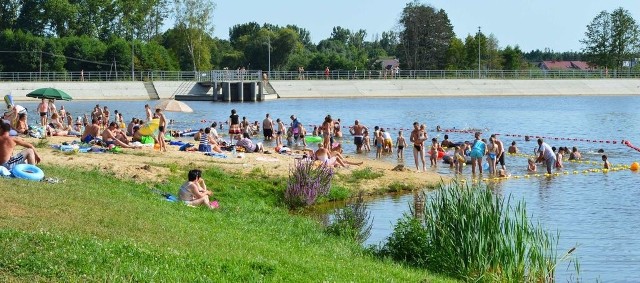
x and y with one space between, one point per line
215 154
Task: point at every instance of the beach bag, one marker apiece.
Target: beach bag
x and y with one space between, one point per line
147 140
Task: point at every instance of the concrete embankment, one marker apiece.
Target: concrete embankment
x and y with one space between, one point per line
105 90
340 88
432 87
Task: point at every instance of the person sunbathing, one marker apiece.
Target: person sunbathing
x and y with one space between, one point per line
194 191
91 131
111 135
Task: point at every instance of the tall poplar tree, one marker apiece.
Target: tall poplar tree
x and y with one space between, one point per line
425 37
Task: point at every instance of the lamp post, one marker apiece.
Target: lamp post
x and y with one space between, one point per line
479 51
269 54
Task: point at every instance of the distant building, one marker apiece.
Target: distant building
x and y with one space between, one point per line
565 65
389 64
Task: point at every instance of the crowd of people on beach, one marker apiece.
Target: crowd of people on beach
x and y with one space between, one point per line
110 130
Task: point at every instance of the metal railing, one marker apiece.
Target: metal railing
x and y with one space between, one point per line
453 74
256 75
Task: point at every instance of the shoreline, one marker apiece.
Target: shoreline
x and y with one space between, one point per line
147 165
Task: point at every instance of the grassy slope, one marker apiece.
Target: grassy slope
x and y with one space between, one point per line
94 227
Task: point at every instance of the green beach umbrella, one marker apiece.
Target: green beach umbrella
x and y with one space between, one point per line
50 93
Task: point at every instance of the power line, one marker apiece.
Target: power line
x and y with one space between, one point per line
56 55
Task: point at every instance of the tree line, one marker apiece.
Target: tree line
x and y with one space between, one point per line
104 35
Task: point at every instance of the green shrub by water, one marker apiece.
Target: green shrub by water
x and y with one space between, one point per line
472 234
352 221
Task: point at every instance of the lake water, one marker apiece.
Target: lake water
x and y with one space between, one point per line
596 211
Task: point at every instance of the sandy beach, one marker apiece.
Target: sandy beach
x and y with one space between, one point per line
147 165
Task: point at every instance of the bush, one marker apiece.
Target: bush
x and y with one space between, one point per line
306 183
353 221
472 234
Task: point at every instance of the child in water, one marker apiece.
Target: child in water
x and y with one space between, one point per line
433 151
366 141
532 165
559 157
401 143
379 144
459 159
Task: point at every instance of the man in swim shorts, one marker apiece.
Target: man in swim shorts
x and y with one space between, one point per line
418 136
8 144
267 128
43 108
91 131
358 130
500 152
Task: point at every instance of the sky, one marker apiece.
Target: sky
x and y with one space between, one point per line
530 24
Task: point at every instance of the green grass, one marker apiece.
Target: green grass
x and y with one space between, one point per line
366 173
94 227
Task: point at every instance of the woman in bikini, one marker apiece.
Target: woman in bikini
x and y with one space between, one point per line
327 128
234 125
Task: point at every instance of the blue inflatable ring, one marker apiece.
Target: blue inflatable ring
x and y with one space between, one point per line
28 172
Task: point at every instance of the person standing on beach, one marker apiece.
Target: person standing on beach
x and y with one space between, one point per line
326 73
546 154
282 130
267 128
147 111
357 131
478 150
52 107
234 126
43 108
327 128
418 136
401 143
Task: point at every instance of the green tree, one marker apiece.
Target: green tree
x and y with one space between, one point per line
512 58
389 42
194 18
598 40
32 17
624 36
456 56
611 38
9 13
425 37
491 54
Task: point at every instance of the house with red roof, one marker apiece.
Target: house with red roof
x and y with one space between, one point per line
565 65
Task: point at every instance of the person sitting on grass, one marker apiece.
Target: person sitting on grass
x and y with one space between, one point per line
8 144
194 192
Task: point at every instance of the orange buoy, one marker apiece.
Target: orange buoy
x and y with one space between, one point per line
634 166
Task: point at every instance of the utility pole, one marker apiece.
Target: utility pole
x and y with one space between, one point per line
479 32
269 54
133 48
40 72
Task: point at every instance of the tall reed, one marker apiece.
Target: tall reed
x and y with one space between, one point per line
472 234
